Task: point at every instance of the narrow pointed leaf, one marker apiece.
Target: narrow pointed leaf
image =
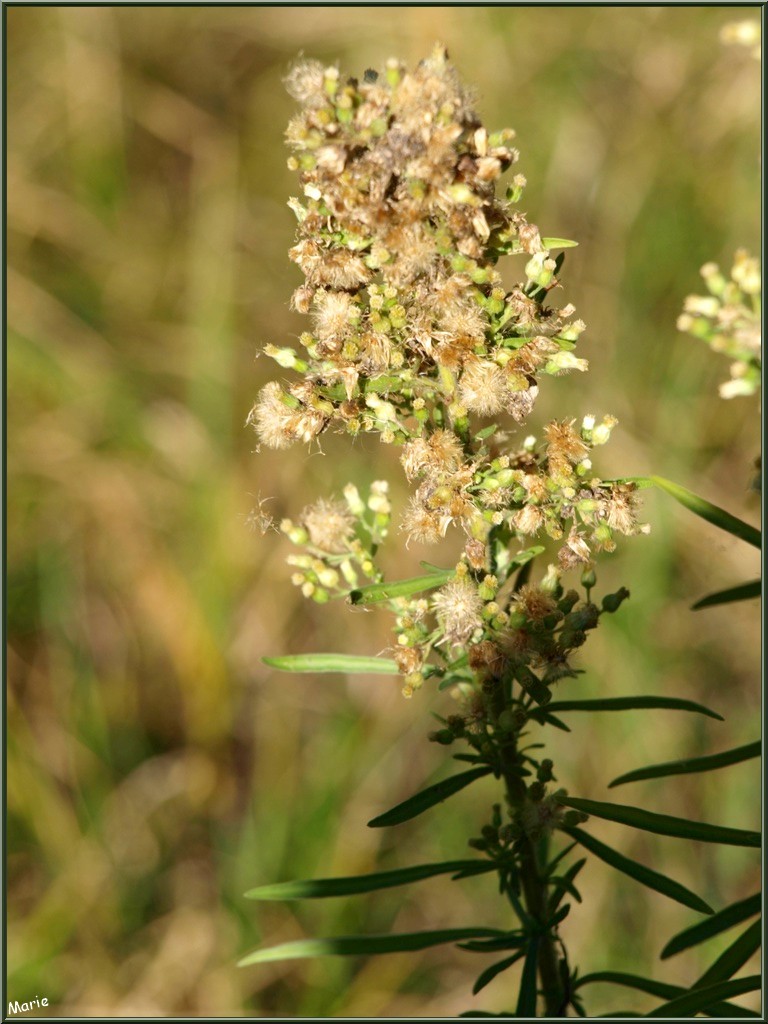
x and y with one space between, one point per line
699 999
556 860
661 990
376 593
348 664
653 988
362 945
558 243
712 513
693 764
508 940
744 592
665 824
494 971
320 888
627 704
734 957
719 922
646 876
524 557
526 1000
562 884
427 798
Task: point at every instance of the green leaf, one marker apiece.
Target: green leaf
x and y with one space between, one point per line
665 824
706 510
628 704
660 989
524 557
508 940
699 999
562 884
526 1000
427 798
362 945
320 888
719 922
646 876
345 663
741 593
653 988
734 957
376 593
494 971
486 432
558 243
693 764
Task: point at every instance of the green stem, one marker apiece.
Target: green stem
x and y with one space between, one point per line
533 885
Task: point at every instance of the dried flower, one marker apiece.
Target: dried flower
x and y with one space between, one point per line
458 606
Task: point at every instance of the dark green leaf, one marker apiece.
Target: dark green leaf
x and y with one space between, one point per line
562 884
706 510
699 999
427 798
693 764
662 991
556 860
345 663
719 922
526 1000
646 876
362 945
508 940
484 1013
665 824
376 593
653 988
741 593
320 888
494 970
734 958
543 715
628 704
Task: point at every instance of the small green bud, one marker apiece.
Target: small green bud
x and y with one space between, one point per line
544 772
585 617
572 818
442 736
588 578
568 601
536 791
612 602
570 638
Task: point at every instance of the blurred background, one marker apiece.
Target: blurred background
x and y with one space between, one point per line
156 770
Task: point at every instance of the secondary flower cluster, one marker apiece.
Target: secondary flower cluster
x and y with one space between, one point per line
728 320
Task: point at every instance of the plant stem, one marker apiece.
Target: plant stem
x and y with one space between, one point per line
534 887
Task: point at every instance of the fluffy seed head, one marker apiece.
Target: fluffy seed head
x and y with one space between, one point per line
458 607
330 525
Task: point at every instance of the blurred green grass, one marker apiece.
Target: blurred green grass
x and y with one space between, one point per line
155 769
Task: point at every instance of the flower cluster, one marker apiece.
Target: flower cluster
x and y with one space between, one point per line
414 337
728 320
400 230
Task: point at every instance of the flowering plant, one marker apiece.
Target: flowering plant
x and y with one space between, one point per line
414 337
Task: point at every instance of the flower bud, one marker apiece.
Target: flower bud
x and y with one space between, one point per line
611 602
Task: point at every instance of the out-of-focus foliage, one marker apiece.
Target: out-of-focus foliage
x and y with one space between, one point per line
156 769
